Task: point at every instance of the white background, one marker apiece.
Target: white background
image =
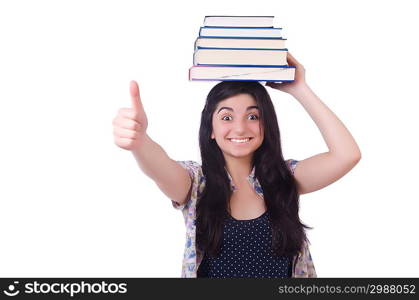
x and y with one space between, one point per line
74 204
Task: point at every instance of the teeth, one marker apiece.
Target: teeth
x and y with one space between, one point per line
240 141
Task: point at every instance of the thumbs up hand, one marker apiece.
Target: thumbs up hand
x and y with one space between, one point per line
130 124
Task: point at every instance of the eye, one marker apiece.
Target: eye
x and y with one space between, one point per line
224 118
254 117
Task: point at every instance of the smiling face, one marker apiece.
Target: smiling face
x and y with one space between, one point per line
236 126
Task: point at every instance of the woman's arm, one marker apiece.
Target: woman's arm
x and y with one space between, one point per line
320 170
130 127
170 177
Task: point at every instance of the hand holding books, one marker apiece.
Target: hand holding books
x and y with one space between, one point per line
299 78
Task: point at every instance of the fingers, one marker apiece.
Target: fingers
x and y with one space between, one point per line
135 98
125 133
124 120
290 55
291 60
128 113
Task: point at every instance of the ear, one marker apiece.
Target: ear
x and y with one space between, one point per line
212 135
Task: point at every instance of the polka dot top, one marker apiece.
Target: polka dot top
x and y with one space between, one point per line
246 252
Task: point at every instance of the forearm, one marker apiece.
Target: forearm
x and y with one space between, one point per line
153 160
170 177
337 137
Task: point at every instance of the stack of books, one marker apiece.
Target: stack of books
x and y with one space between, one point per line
244 48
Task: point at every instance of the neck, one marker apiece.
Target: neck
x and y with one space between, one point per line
239 169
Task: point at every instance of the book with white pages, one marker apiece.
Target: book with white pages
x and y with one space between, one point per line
246 32
250 43
239 73
230 56
239 21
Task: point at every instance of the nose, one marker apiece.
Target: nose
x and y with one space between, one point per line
240 127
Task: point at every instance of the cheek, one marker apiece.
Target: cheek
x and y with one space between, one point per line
214 129
257 129
219 130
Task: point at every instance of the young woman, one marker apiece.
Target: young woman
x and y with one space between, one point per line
241 205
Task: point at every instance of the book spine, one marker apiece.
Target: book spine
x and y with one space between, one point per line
233 19
224 79
240 38
237 37
219 48
231 27
244 66
226 16
244 32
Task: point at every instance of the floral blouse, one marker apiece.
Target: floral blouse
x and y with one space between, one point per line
302 263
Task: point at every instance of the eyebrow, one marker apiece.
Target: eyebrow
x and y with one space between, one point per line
229 108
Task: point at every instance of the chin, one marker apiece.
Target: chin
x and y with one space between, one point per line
238 154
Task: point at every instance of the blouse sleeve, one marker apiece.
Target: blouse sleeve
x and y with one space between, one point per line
292 163
195 171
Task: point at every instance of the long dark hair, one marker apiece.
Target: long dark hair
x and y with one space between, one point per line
278 185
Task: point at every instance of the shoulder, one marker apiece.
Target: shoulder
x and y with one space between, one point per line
291 163
194 168
190 164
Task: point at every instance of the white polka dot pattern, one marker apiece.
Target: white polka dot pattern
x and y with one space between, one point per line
246 252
